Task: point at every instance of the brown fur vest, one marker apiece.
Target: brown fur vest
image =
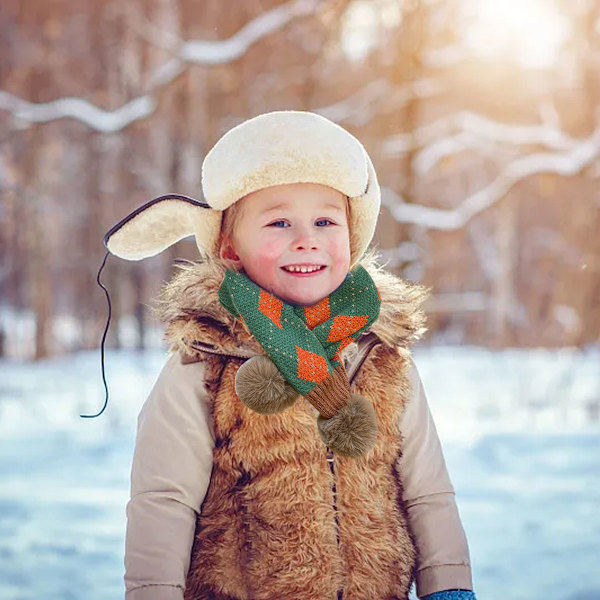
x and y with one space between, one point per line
284 518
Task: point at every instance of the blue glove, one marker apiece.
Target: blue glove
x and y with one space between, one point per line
451 595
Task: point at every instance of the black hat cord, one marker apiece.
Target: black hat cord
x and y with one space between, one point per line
109 233
103 339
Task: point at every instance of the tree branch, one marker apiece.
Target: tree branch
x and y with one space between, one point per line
566 163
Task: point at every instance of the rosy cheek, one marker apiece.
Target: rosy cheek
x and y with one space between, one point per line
341 252
269 250
340 246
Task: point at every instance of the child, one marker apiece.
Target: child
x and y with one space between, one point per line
287 450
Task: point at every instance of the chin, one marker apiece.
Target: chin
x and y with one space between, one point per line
306 301
303 297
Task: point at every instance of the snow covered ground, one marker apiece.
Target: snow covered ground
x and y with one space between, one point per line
520 431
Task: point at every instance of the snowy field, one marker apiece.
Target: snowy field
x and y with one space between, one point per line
521 436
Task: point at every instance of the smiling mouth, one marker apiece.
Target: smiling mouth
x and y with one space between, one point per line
304 271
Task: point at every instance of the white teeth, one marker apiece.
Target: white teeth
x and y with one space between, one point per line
302 269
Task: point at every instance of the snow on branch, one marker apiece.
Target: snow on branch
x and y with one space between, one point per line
467 130
362 106
402 253
193 51
567 163
81 110
221 51
357 103
215 52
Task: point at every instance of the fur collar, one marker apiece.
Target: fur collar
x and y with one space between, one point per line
189 306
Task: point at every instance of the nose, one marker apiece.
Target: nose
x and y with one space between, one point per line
305 238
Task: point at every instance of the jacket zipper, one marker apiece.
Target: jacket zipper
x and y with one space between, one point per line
340 592
362 356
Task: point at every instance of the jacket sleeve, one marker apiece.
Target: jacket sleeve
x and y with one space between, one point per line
170 473
429 498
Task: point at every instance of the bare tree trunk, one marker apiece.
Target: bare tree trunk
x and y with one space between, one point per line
403 71
137 280
589 282
41 289
502 301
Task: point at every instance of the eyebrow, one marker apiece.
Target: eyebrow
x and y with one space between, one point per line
281 205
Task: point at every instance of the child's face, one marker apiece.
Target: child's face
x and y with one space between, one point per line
292 224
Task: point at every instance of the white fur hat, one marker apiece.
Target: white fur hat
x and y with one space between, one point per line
270 149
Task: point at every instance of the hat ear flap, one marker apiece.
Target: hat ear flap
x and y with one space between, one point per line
156 225
151 228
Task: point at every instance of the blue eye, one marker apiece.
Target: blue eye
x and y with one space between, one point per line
274 223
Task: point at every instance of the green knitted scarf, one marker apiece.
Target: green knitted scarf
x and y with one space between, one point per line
304 342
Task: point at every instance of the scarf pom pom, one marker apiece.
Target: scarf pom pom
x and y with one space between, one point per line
260 386
352 431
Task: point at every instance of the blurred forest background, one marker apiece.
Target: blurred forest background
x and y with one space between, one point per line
481 118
